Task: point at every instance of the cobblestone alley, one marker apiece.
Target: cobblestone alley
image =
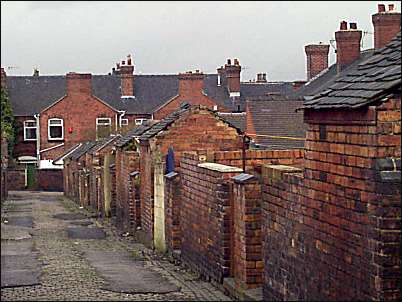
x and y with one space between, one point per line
53 250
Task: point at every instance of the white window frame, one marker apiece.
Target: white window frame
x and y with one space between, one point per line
109 123
98 122
140 121
124 122
62 129
30 127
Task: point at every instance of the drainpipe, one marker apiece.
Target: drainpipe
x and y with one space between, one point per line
244 154
36 116
116 121
122 113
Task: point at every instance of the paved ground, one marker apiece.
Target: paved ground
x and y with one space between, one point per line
46 255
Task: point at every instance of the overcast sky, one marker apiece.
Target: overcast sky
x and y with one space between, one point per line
172 37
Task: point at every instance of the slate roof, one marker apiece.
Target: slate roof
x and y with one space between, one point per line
81 150
236 119
30 95
277 122
171 118
66 153
133 133
328 77
100 144
367 82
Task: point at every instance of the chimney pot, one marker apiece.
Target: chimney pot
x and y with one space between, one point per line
381 8
391 7
128 59
347 46
236 61
229 62
353 25
123 62
344 25
386 25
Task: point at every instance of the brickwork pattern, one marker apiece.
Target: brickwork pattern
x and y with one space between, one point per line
335 224
205 219
172 213
126 162
247 259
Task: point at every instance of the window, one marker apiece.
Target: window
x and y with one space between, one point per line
30 130
124 122
55 129
103 127
140 121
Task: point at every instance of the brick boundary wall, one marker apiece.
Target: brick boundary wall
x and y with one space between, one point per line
16 179
50 180
247 265
206 218
332 231
126 162
172 211
134 201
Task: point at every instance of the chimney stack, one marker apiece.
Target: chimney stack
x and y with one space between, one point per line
191 84
79 83
347 45
232 75
261 77
36 72
317 59
386 25
127 77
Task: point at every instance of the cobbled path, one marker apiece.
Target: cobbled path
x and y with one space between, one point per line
67 274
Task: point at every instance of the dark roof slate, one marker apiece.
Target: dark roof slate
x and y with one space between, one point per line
81 150
171 118
236 119
100 144
30 95
131 134
276 119
369 81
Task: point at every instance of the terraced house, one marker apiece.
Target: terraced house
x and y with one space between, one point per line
56 112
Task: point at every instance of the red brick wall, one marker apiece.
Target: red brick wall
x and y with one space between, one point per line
21 147
16 179
247 263
79 110
113 187
205 219
332 233
254 159
146 193
198 130
190 91
50 180
172 212
126 162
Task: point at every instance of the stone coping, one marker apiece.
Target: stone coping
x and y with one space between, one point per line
220 167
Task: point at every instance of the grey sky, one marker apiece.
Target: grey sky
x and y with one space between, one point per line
172 37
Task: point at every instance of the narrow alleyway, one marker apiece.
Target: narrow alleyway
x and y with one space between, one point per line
53 250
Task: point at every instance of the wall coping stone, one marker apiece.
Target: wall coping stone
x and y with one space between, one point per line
171 175
243 177
219 167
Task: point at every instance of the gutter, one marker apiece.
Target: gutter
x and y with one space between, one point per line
54 147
